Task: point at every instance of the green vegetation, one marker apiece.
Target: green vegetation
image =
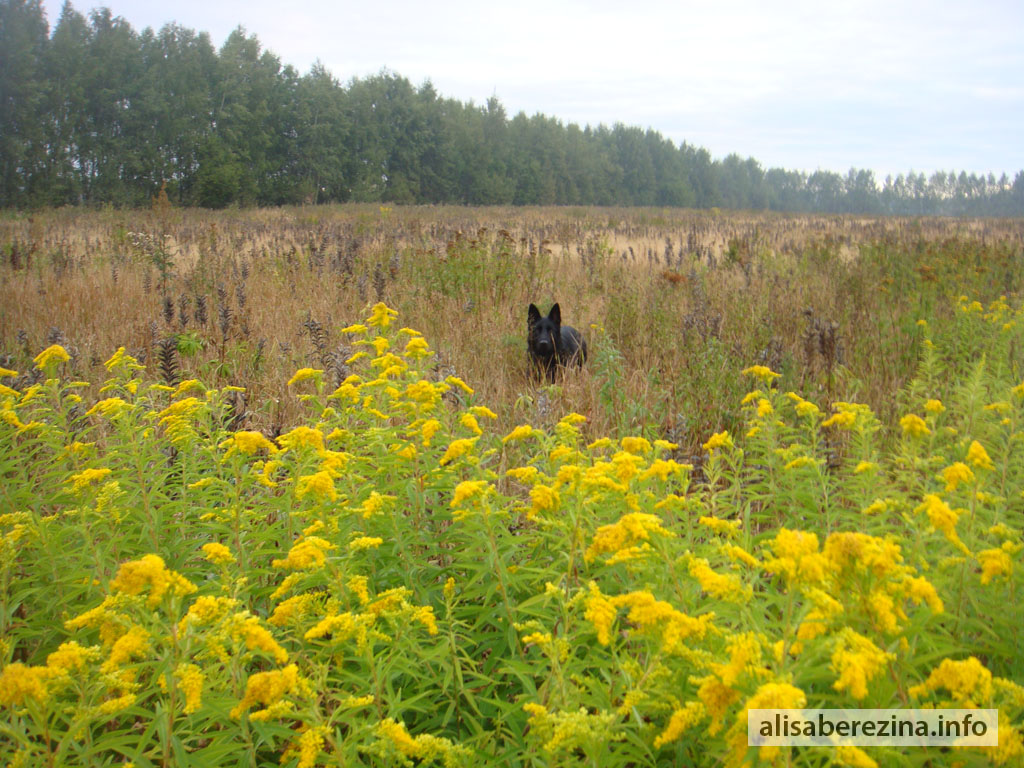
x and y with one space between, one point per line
303 533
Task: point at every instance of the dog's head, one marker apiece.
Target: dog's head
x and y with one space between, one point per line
544 333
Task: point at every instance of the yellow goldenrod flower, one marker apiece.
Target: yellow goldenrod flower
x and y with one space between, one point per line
469 421
469 489
249 443
19 683
853 757
381 315
188 385
841 419
744 658
716 697
364 542
295 608
408 452
662 468
801 461
681 721
777 696
308 553
424 615
374 504
190 679
955 474
424 393
320 484
630 701
919 590
804 407
942 517
521 432
762 372
631 529
52 355
111 407
417 348
523 474
7 373
256 637
651 614
626 466
129 645
739 554
720 586
977 456
268 688
264 477
356 328
817 621
722 527
934 406
636 445
358 701
876 507
994 563
914 426
302 437
207 610
305 374
455 381
797 558
86 478
150 573
217 553
544 497
309 745
968 682
71 656
428 429
849 553
457 449
482 411
358 585
751 397
857 661
601 612
718 440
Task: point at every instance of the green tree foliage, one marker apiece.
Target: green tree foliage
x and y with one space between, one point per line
93 112
23 47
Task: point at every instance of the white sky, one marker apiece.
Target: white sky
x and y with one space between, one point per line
886 85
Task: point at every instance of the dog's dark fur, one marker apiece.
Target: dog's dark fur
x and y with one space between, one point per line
551 344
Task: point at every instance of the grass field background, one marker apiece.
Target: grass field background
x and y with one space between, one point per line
278 488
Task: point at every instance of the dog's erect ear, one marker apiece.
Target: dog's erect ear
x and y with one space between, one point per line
555 315
533 314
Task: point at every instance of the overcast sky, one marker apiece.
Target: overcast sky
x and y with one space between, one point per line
886 85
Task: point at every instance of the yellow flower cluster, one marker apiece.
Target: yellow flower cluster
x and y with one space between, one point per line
150 573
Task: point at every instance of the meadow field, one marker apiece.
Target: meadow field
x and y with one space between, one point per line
278 487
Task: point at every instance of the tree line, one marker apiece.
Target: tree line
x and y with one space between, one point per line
93 112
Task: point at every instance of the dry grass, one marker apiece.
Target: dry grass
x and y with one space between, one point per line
685 299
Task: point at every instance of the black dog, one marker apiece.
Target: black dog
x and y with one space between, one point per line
551 344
